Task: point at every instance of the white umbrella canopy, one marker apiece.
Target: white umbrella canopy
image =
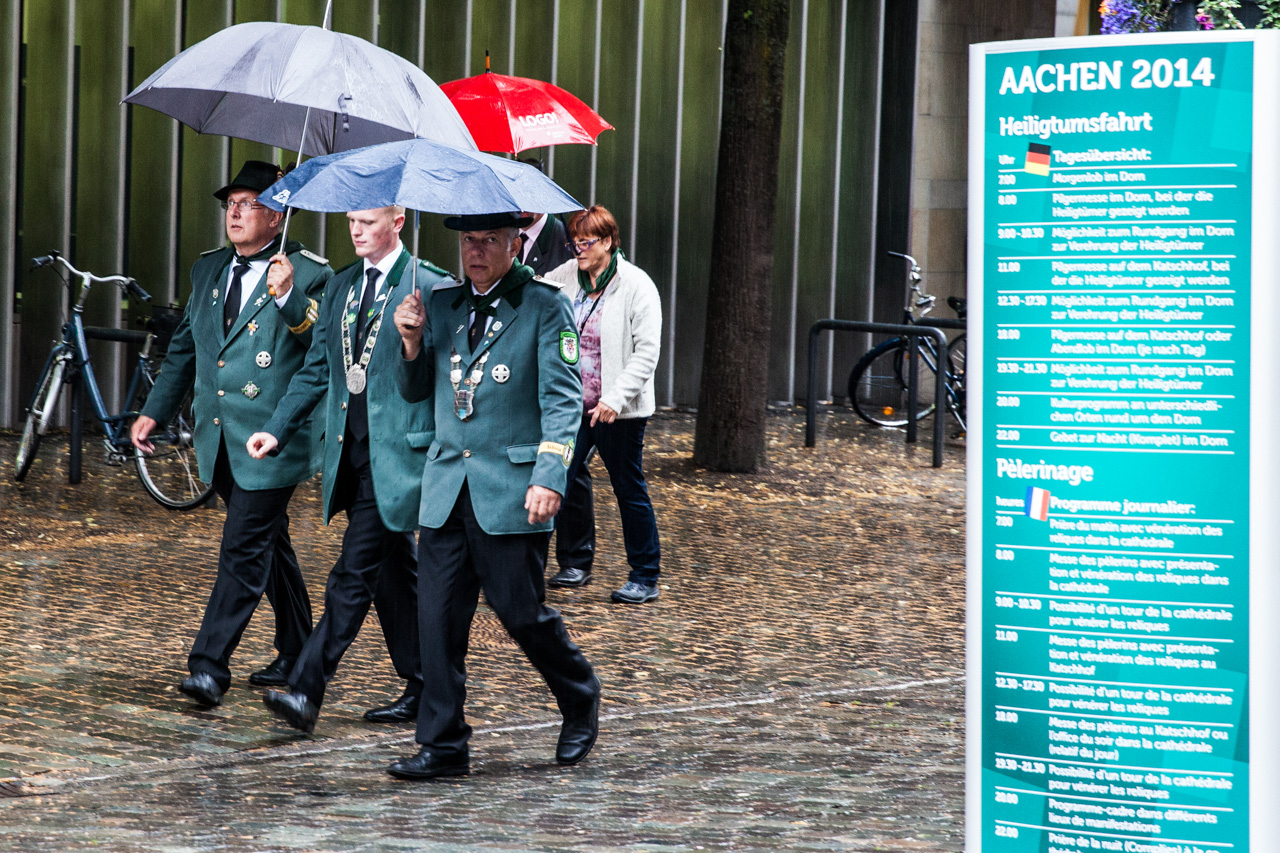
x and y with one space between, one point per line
259 80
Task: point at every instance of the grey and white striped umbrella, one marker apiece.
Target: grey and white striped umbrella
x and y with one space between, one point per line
258 80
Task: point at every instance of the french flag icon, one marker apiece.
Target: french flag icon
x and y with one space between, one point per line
1037 503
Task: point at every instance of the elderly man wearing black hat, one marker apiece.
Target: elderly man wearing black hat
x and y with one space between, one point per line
496 356
244 333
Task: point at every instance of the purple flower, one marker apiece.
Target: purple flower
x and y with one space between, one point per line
1205 22
1126 16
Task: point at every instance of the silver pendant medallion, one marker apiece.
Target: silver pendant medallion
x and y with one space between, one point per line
356 379
463 405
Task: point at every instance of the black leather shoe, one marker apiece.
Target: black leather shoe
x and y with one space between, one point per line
425 765
294 708
578 733
402 710
570 577
274 674
202 688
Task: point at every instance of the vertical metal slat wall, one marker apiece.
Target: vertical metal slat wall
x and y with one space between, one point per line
127 189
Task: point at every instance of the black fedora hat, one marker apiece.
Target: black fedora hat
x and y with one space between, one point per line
254 175
487 221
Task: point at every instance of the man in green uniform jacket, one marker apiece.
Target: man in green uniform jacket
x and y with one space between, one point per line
244 333
375 447
496 359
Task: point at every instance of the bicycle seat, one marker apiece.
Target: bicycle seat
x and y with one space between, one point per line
958 304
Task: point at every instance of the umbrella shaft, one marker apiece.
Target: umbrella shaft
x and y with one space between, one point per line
306 119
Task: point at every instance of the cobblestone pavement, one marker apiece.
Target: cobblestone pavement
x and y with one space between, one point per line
796 687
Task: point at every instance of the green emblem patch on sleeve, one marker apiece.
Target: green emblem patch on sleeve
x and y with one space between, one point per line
569 347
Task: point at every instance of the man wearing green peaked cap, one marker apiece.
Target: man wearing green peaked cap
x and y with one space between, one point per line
244 333
495 357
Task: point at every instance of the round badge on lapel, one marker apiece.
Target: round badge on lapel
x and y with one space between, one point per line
500 373
264 359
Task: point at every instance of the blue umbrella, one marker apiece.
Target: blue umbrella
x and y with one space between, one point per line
421 175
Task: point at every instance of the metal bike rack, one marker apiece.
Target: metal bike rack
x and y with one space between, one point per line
914 332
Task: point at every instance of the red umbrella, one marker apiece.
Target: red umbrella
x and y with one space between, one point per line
513 114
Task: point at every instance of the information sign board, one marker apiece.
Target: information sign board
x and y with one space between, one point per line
1122 209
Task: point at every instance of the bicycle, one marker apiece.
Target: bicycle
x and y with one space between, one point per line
170 474
879 382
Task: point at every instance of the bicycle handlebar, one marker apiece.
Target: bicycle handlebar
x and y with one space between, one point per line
123 282
136 289
907 257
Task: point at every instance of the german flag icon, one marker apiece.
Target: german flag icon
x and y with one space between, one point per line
1037 159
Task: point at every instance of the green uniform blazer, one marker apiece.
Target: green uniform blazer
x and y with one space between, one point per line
522 431
234 393
399 433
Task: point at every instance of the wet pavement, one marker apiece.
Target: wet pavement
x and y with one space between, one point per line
797 686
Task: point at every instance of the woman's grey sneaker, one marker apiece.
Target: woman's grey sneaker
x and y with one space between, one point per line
635 593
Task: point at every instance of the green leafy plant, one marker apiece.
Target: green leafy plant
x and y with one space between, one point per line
1147 16
1218 15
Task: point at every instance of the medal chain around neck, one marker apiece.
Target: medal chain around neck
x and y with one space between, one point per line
455 379
347 319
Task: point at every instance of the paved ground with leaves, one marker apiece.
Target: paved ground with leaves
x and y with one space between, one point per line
798 685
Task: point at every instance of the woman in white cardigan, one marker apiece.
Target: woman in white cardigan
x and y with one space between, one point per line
619 319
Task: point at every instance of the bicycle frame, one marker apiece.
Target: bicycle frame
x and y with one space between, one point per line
76 342
909 351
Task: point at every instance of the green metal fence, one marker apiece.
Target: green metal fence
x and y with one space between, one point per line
127 189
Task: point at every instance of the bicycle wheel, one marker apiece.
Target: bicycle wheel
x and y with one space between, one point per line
878 384
43 402
170 474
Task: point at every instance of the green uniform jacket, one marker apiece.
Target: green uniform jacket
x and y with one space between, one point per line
399 433
234 394
522 431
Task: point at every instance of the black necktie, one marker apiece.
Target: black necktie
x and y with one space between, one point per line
231 307
524 247
476 333
366 304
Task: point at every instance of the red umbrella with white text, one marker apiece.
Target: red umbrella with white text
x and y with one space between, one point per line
513 114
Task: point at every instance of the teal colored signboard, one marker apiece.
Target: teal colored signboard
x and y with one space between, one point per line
1112 461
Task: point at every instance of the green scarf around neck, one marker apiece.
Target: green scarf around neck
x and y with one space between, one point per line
602 281
262 254
517 277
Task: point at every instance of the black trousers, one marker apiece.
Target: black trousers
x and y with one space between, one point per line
455 562
377 566
575 525
256 556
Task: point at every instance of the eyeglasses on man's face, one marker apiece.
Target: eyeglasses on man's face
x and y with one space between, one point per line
242 206
580 246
